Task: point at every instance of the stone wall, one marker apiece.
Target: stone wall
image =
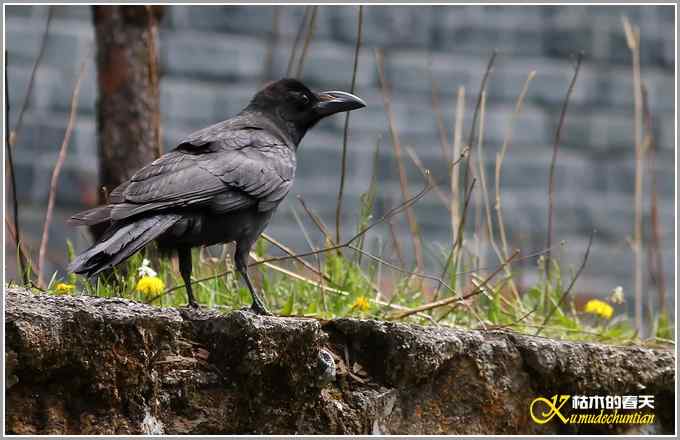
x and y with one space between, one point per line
130 368
213 59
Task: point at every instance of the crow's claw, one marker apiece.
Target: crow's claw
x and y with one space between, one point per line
260 309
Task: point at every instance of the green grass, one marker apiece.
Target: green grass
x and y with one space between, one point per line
350 291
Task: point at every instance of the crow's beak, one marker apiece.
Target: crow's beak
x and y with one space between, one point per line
333 102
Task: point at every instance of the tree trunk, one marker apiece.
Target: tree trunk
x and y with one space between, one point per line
128 121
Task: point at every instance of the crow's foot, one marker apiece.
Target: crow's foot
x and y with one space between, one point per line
260 309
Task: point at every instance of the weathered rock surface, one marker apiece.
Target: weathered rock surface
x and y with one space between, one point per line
82 365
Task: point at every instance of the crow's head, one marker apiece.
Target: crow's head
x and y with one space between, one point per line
290 102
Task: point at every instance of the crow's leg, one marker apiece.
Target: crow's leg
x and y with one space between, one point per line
241 262
184 254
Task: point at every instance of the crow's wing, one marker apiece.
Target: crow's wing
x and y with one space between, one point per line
239 168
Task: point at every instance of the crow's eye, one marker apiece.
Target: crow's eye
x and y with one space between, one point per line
300 100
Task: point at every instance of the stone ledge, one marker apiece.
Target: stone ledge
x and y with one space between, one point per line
83 365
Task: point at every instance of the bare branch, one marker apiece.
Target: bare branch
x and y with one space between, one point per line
12 177
427 175
553 161
458 299
317 220
31 79
402 270
57 169
454 255
299 277
654 251
455 171
292 254
499 163
471 136
573 281
268 68
403 179
513 323
482 178
11 138
21 248
298 37
308 39
396 246
345 135
319 271
633 40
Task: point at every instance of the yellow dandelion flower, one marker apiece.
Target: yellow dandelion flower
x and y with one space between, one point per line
361 303
64 289
600 308
150 285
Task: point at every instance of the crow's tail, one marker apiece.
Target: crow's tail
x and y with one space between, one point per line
92 216
120 242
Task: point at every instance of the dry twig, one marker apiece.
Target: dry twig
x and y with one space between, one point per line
31 79
268 68
443 302
11 139
15 202
308 39
22 249
455 171
633 41
427 175
654 256
57 169
298 37
457 245
151 37
553 161
396 246
571 284
403 179
290 253
319 270
499 163
345 135
482 179
471 136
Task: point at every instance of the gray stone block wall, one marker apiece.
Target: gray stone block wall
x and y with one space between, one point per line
213 60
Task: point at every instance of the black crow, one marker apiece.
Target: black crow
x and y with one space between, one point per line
220 184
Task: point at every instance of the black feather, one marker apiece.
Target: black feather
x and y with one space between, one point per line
92 216
120 243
